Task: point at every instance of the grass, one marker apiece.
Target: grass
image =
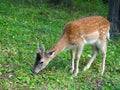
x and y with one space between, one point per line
23 25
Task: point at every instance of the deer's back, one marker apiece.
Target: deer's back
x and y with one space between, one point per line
88 28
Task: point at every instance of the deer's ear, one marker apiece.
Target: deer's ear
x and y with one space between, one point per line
50 54
42 48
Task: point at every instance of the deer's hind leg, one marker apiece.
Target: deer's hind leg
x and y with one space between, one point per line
104 50
95 52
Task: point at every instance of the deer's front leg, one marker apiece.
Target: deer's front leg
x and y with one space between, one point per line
78 54
72 52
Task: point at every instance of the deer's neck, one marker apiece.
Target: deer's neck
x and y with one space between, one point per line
61 44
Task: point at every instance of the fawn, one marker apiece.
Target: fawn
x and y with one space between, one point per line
93 30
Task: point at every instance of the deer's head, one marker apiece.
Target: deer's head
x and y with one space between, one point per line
42 59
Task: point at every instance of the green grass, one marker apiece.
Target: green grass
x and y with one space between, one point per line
22 26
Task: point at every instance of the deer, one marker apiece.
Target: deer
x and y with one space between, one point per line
92 30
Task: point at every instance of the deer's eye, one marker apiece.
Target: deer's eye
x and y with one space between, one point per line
41 62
